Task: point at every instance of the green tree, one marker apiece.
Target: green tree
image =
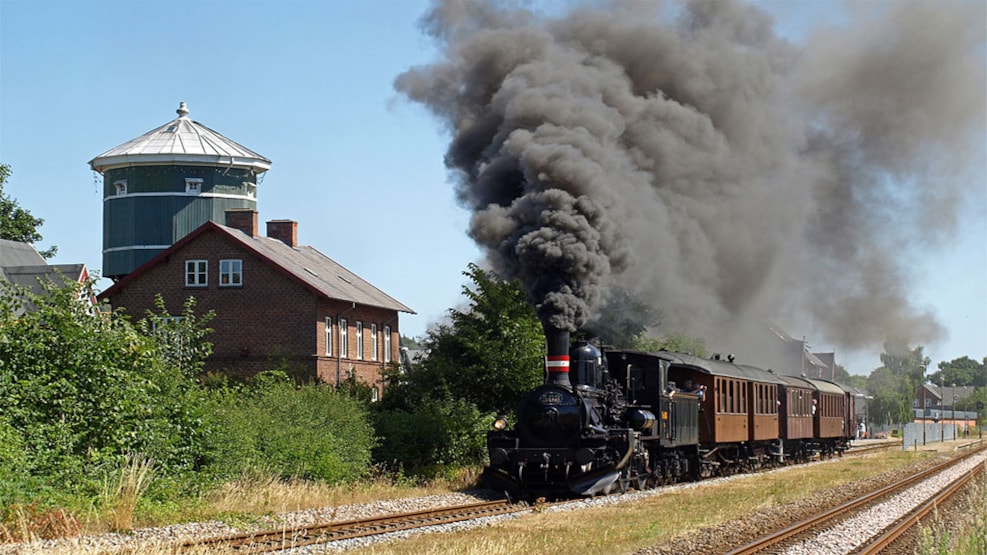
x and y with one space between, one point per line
895 384
891 402
962 371
489 354
621 320
16 223
908 363
678 342
481 363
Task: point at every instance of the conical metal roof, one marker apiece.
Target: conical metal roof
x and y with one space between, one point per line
181 140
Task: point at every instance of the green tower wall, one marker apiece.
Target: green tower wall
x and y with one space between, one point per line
157 211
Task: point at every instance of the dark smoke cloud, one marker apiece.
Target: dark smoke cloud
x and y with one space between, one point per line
686 153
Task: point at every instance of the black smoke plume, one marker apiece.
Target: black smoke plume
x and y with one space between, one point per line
687 153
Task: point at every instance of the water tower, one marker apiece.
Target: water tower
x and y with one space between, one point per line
162 185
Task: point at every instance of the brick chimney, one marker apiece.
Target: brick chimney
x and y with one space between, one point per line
285 231
244 219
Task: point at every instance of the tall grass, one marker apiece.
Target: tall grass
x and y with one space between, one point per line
132 482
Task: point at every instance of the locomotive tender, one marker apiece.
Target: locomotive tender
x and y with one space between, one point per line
614 420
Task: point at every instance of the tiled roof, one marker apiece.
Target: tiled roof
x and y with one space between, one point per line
318 271
181 140
15 253
21 265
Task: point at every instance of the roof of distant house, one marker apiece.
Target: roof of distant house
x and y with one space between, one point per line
21 265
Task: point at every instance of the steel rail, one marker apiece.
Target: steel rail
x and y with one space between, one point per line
819 519
903 525
276 539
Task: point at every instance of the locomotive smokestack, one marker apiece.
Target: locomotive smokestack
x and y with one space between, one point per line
557 360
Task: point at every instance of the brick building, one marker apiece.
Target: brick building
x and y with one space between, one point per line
166 196
277 303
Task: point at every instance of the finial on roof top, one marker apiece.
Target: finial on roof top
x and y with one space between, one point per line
182 110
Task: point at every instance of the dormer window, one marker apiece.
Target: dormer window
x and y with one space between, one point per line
120 186
193 185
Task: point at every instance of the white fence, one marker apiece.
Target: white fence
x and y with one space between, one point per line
922 433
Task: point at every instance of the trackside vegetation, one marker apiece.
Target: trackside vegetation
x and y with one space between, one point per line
107 422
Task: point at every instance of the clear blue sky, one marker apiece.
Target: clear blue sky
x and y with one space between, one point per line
309 84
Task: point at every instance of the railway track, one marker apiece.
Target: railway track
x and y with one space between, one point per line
798 532
273 540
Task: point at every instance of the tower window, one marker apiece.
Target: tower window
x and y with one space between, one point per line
230 273
193 185
196 273
120 186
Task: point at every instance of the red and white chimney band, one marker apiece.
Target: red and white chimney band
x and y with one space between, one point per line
557 364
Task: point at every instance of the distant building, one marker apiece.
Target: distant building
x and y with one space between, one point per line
276 302
159 187
938 403
21 264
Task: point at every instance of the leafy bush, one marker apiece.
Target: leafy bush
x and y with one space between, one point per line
448 432
307 431
84 390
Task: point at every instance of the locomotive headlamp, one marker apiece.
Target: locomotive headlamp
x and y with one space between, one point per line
500 423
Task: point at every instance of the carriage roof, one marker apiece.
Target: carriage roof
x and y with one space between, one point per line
723 368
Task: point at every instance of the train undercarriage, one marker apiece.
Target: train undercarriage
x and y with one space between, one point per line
622 462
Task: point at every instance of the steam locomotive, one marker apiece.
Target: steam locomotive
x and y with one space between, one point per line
612 421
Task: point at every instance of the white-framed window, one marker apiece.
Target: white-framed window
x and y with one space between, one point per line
344 347
120 186
230 273
359 340
373 341
387 343
193 185
374 395
196 273
328 336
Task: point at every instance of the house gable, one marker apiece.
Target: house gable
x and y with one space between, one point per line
275 312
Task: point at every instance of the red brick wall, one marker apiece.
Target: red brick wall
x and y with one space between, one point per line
366 369
270 321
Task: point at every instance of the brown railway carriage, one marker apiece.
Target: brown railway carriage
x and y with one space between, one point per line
796 408
849 415
763 405
739 402
830 410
